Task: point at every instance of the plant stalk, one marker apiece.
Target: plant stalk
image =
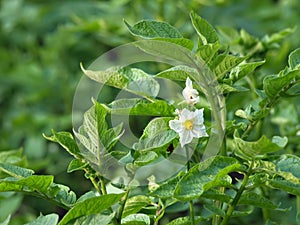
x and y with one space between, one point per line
237 196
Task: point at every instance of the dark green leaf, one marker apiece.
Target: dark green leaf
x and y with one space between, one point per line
252 198
289 164
153 29
178 41
90 206
285 185
276 84
207 52
228 63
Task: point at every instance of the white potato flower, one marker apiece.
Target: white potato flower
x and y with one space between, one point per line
190 94
189 125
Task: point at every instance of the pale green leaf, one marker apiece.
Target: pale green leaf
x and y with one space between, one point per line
50 219
178 41
145 158
66 140
130 79
141 107
136 219
289 164
76 164
244 69
205 31
6 221
95 219
15 171
251 150
294 59
178 73
153 29
210 173
90 206
135 204
186 220
155 126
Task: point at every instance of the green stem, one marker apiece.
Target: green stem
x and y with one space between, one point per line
237 196
122 206
103 185
192 212
95 184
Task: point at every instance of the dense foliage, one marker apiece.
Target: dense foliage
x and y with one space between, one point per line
254 178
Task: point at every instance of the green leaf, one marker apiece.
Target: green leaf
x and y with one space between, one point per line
158 140
186 220
15 171
252 198
216 195
178 41
277 84
6 221
136 219
50 219
243 69
177 73
63 194
12 156
155 126
166 189
205 31
294 59
278 36
210 173
132 80
145 158
207 52
136 106
153 29
76 164
135 204
228 62
95 219
289 164
252 150
90 206
66 140
285 185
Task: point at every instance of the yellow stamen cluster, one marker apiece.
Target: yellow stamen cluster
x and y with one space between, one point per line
188 124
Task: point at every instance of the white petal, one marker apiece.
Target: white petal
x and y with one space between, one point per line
185 137
188 83
176 125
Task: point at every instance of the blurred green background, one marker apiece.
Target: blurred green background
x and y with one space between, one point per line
43 42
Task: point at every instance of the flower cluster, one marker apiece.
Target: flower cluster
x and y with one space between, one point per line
189 124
